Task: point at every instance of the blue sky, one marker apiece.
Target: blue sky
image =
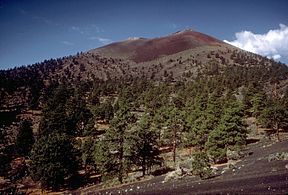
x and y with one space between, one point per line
34 30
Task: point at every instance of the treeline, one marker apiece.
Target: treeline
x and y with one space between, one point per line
140 117
87 67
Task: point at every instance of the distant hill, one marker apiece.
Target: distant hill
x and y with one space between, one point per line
181 56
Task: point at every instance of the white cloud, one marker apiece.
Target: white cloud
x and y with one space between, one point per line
93 38
67 43
77 29
276 57
273 44
86 30
101 40
95 29
173 25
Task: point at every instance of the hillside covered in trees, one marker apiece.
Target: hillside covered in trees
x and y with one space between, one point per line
111 113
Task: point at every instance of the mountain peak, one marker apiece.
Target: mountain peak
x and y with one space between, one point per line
142 50
134 38
182 31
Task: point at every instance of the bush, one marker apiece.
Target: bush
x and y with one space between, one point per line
278 156
201 166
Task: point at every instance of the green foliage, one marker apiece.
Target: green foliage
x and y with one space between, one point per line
216 146
116 138
104 111
104 159
87 152
258 104
197 132
127 96
144 150
53 159
200 122
25 138
89 127
77 116
200 165
173 119
54 116
255 102
155 97
275 115
65 112
230 132
5 157
122 119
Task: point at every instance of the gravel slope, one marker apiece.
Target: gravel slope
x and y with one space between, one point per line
253 175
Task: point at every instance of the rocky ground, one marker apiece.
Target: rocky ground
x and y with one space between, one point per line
264 170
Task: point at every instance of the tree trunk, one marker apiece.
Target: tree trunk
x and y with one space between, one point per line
120 174
174 145
144 167
277 132
174 154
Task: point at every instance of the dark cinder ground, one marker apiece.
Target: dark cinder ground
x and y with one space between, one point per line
254 174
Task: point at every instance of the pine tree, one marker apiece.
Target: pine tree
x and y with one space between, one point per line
53 159
230 133
77 116
25 138
105 160
64 112
54 119
200 165
258 102
89 128
5 157
172 119
116 140
200 122
87 151
144 150
197 132
275 116
104 111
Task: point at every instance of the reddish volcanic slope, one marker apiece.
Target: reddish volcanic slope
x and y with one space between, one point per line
142 50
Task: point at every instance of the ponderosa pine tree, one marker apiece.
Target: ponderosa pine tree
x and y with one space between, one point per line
5 157
25 138
64 112
77 116
54 117
87 151
104 111
198 131
275 116
199 122
116 140
104 159
230 133
173 119
144 151
200 165
53 160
